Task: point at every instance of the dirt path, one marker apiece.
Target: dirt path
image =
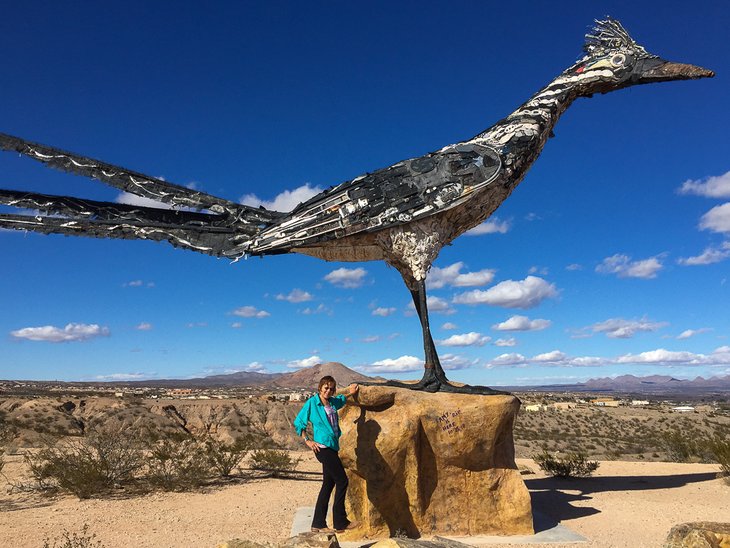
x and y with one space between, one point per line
625 504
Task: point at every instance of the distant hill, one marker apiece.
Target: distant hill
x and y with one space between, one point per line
651 385
308 377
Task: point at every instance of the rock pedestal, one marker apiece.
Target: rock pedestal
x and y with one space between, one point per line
423 464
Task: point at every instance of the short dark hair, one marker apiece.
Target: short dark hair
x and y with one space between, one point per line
326 380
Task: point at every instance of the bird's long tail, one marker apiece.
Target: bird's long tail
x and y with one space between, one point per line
219 227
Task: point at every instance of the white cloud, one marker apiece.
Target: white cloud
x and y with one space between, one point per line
349 278
711 187
448 326
687 333
133 199
144 326
451 362
434 304
321 309
618 328
236 325
71 333
624 267
522 323
527 293
371 339
508 359
491 226
250 312
555 356
466 339
542 270
574 267
138 283
709 256
286 201
506 342
720 357
395 365
121 377
306 362
295 296
660 355
451 275
196 324
383 311
717 219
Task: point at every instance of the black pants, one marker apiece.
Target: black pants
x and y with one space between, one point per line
334 478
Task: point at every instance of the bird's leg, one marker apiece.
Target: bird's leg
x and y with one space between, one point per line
434 378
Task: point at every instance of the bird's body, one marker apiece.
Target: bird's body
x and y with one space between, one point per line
403 214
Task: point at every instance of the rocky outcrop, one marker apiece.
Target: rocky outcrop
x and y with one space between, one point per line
425 464
303 540
700 534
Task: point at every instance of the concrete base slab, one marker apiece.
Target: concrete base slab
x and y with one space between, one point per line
548 532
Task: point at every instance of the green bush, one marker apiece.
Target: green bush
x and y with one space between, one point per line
99 461
224 457
278 463
177 463
573 464
720 450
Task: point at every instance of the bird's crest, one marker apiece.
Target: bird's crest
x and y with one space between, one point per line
610 35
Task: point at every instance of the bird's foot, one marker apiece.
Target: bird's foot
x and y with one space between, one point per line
435 385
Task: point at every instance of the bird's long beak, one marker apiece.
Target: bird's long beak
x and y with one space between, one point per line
659 70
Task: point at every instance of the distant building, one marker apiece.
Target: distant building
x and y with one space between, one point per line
683 409
605 402
639 402
534 407
563 405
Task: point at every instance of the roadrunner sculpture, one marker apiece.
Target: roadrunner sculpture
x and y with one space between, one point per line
403 214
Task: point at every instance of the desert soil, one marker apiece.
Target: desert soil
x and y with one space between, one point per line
625 504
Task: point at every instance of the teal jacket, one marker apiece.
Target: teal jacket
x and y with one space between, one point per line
313 411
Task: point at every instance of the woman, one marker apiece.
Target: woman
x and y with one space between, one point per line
321 411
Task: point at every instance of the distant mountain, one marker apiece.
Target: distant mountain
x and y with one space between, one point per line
308 377
651 385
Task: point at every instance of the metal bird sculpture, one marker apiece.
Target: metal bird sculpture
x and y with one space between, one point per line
403 214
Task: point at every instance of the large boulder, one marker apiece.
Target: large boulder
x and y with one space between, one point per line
423 464
699 534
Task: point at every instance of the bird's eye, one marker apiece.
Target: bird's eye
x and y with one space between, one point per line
618 60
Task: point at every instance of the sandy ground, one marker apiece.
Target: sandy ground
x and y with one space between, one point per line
625 504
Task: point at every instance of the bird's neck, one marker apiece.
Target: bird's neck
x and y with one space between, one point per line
532 123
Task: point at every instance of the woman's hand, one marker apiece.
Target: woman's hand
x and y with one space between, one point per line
313 446
353 388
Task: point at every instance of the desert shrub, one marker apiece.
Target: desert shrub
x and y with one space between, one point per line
177 463
274 461
573 464
720 450
74 540
679 446
224 457
87 466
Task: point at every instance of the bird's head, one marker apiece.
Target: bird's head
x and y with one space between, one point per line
613 60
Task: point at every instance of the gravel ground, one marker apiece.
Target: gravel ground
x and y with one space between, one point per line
627 504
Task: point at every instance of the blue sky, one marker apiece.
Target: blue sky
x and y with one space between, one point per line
611 257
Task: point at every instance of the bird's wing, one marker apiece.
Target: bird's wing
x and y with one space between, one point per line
399 194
